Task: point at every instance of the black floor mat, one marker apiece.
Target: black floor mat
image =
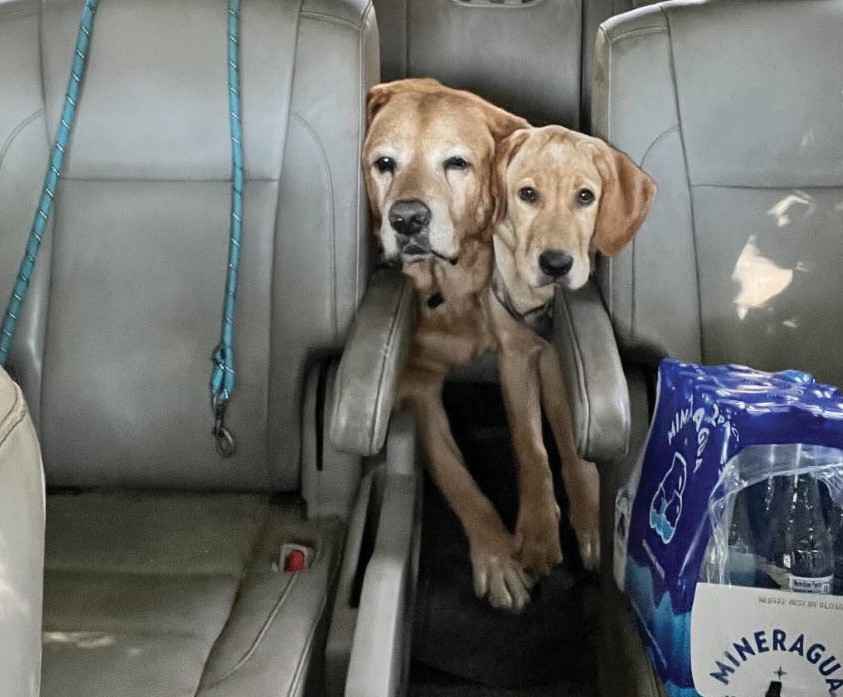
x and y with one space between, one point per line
464 637
429 682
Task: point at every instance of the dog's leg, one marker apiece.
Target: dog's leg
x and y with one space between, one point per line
582 482
496 572
537 531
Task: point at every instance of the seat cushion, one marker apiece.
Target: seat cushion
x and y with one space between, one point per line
170 595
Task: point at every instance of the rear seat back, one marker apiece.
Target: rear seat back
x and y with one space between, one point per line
125 307
532 57
734 111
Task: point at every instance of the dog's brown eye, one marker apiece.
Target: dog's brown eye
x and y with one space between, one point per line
456 163
528 194
385 164
585 196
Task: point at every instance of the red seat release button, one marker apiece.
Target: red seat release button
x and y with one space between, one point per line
295 561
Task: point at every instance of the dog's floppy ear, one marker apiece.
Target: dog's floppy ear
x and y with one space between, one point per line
501 123
504 152
377 97
628 193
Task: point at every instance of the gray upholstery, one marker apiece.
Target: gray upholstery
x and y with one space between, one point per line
21 545
148 595
532 57
143 209
379 658
166 594
595 12
734 109
620 652
594 379
371 364
737 118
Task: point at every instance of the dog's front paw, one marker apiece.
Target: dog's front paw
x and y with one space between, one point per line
498 576
588 537
537 538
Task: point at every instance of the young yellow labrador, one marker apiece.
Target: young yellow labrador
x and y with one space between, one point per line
431 161
562 196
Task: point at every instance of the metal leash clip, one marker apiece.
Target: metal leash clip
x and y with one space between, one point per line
222 436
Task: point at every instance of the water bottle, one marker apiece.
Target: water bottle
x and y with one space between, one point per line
837 546
737 563
798 547
740 561
760 499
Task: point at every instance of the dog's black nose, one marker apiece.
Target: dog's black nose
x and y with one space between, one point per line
555 263
409 217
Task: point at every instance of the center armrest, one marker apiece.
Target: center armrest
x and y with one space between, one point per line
593 374
371 364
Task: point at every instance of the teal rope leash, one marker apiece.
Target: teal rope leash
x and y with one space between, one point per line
54 170
223 375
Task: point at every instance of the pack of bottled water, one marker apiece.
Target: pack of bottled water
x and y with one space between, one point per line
729 533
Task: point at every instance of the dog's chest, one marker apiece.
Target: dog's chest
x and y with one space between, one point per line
454 330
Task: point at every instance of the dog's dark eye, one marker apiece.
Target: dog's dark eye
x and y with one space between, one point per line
385 164
456 163
585 196
528 194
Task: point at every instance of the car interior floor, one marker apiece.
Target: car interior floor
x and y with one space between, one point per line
461 645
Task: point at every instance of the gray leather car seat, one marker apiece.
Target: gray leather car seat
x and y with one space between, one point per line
734 108
162 559
533 57
21 545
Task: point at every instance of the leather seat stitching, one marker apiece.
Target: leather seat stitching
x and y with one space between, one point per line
636 32
323 156
675 81
14 418
583 396
16 131
393 328
256 540
361 132
661 136
321 17
305 652
260 635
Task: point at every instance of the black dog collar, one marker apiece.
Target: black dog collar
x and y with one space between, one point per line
539 318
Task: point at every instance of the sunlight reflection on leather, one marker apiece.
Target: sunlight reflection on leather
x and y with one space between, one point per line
759 278
782 210
83 640
808 138
10 600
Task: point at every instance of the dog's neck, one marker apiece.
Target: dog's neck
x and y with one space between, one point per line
532 306
439 282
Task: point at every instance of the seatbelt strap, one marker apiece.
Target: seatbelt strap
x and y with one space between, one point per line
223 375
51 180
